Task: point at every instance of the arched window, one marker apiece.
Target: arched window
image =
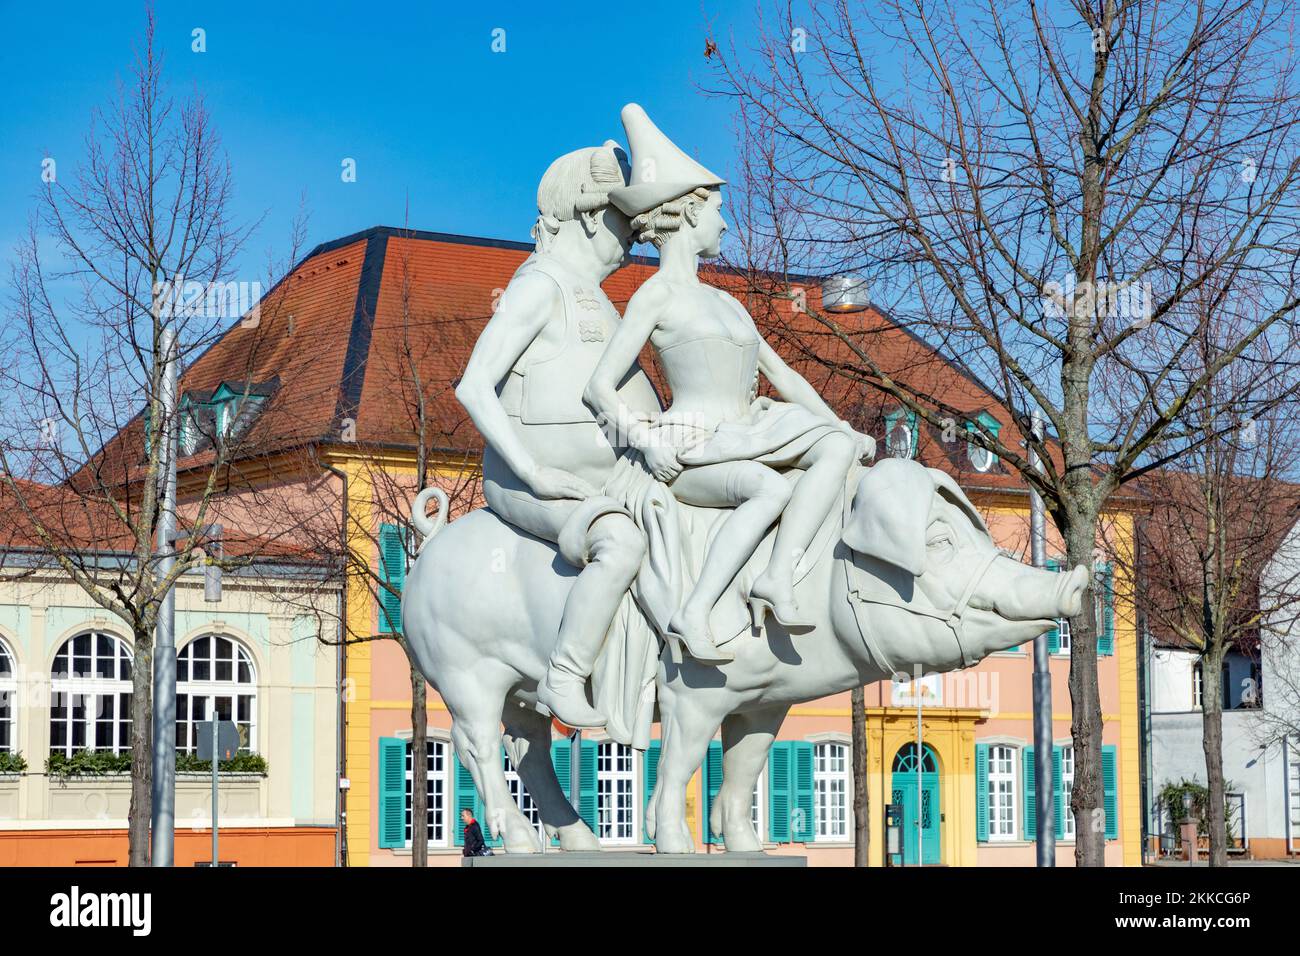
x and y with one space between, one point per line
215 673
8 705
901 433
90 695
905 759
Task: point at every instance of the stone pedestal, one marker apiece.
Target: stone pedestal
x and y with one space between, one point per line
633 858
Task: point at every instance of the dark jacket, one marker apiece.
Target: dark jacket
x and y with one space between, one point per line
473 839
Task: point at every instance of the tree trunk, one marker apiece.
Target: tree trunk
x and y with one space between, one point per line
1086 726
141 811
861 800
1212 721
419 771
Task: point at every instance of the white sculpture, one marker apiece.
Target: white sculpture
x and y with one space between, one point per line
880 571
718 446
546 460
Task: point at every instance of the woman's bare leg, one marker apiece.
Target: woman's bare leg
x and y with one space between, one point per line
824 466
759 494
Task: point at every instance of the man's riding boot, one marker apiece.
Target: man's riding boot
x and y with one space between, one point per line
563 689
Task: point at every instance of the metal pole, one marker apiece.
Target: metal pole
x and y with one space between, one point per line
215 755
920 833
1045 845
575 770
163 809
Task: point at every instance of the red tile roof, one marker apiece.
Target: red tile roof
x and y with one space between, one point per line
340 334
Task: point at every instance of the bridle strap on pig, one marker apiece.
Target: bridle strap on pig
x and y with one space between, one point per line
953 617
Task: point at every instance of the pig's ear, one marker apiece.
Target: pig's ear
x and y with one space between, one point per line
950 490
891 510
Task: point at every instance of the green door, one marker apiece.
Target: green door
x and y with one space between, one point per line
904 793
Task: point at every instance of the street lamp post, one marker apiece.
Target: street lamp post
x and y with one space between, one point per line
163 809
1045 842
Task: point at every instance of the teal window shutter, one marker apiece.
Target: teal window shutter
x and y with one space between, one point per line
1110 791
712 782
1031 795
466 799
778 791
392 571
1106 626
981 793
1058 802
587 784
801 796
560 754
561 751
650 775
392 792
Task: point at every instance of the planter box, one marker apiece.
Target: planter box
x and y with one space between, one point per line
90 798
109 797
240 797
9 796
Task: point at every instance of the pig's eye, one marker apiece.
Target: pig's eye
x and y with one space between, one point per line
939 539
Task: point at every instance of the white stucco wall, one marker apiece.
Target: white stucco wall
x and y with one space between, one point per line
1171 680
1260 774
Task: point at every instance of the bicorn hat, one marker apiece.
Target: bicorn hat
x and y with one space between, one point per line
661 172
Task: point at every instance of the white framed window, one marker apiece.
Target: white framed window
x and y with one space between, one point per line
189 435
1292 749
1067 792
8 700
437 787
615 793
215 673
225 417
1196 686
831 783
981 458
90 695
1063 635
1002 792
523 799
901 442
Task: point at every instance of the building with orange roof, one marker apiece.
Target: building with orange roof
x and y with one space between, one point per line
366 324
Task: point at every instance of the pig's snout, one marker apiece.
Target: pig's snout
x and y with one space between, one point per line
1018 592
1070 591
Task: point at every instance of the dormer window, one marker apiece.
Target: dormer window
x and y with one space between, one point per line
234 408
900 433
981 459
225 412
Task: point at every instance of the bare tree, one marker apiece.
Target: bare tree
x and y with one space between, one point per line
413 446
1206 557
1023 187
861 796
143 247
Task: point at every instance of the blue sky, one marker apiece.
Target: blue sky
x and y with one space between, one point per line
412 92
